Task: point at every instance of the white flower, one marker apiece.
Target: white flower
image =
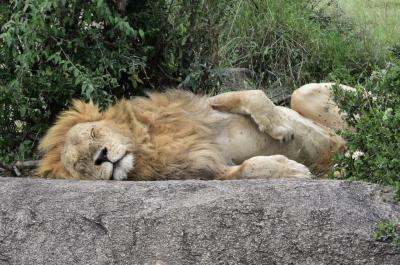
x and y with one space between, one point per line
367 94
98 25
357 154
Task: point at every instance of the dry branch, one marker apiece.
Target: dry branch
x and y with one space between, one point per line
19 166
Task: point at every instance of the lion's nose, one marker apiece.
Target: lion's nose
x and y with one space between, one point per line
102 157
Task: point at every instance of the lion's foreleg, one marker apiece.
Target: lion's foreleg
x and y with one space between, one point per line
261 109
276 166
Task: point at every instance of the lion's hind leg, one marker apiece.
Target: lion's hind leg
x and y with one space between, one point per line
261 109
316 102
275 166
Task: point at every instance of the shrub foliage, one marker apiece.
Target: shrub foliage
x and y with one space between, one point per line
374 145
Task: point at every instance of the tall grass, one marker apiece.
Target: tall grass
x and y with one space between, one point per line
287 44
380 17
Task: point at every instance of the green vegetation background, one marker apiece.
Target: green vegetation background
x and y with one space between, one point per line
53 51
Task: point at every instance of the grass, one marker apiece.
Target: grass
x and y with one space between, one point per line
380 18
285 48
387 232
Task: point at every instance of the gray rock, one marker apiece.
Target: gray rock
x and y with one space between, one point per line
230 78
193 222
237 78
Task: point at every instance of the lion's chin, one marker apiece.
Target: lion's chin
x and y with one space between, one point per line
124 167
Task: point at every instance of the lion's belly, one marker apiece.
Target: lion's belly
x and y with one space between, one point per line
238 138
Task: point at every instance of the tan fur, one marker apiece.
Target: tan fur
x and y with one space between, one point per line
316 102
171 134
177 135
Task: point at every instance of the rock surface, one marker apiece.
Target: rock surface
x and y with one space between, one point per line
193 222
237 78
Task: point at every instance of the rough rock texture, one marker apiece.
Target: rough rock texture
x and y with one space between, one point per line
237 78
231 79
193 222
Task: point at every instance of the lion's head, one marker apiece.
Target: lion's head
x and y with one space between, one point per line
83 144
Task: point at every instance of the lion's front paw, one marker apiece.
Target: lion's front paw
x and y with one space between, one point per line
278 131
281 133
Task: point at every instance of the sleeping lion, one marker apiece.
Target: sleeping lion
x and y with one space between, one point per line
179 135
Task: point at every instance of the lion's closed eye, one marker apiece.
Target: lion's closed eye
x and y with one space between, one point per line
93 133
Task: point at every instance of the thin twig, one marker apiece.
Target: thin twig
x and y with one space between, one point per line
19 165
167 75
284 101
27 164
16 170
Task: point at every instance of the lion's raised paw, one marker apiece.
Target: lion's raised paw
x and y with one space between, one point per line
279 131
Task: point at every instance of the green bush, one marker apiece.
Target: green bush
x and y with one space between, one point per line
387 232
187 45
374 144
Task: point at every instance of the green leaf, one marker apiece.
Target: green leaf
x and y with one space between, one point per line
141 34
